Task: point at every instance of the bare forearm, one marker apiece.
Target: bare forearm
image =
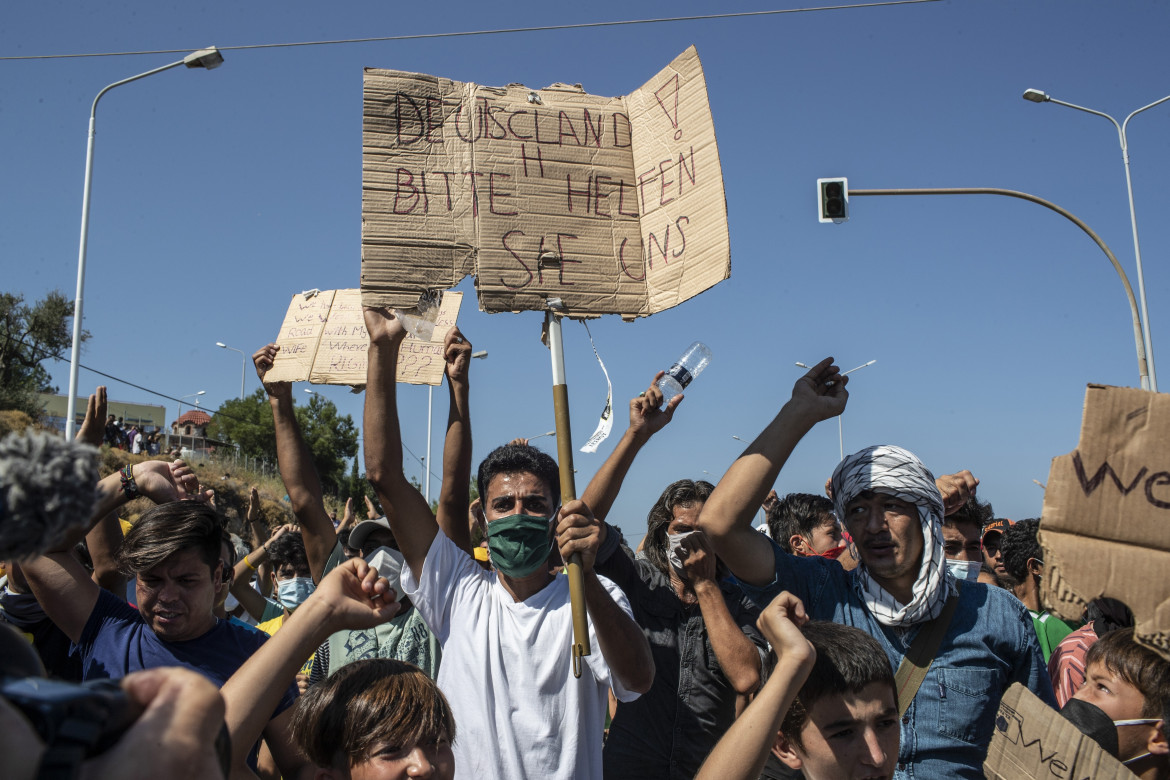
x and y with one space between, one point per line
303 484
737 656
253 692
453 496
743 750
622 643
103 541
411 519
728 513
603 489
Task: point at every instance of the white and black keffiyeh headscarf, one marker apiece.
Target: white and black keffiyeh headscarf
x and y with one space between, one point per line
898 472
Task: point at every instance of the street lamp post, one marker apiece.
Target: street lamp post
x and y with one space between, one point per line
1037 96
430 402
204 58
1138 341
243 364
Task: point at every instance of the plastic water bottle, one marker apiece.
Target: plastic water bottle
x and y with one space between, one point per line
684 370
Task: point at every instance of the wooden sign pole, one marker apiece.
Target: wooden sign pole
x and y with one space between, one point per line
568 485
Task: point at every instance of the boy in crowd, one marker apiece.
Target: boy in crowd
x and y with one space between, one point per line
1131 684
843 722
1025 565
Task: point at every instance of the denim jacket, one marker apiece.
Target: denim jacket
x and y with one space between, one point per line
989 645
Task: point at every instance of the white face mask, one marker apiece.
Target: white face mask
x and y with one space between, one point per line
964 570
673 545
230 603
389 563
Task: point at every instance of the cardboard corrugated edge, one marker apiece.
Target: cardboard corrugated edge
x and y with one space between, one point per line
1033 742
1103 537
671 119
709 241
299 335
419 362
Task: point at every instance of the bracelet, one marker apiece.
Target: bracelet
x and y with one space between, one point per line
129 486
248 563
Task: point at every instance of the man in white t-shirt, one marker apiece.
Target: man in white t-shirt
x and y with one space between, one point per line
506 633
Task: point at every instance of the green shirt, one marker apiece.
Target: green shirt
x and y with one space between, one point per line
1050 630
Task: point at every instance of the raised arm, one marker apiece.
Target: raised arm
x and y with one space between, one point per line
453 495
260 534
411 520
105 536
296 468
743 750
622 643
737 655
646 419
727 515
61 584
352 596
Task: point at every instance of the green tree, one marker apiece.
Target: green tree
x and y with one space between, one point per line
331 438
246 422
28 336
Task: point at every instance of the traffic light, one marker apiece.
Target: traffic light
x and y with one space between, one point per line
834 196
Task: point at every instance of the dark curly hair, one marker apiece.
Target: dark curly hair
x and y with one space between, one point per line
288 548
1019 543
519 458
799 514
975 512
682 493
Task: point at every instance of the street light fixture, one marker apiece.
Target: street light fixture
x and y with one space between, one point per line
243 364
204 58
1037 96
185 397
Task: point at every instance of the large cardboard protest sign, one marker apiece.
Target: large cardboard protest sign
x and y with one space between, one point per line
1105 527
1033 742
323 340
613 205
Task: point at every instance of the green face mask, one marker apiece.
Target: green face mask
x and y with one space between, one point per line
519 544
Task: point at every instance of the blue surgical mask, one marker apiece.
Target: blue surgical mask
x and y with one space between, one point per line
964 570
292 593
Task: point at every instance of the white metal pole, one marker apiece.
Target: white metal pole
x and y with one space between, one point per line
427 465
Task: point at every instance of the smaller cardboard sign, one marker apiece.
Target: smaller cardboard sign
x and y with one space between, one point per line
1033 742
1105 527
323 340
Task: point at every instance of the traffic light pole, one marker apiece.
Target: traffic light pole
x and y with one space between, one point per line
1143 368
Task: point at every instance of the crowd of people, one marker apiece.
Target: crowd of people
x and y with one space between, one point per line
869 632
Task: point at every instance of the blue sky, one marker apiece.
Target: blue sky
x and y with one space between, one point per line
218 194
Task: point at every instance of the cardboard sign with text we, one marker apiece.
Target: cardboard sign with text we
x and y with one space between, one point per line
1033 742
613 205
1105 527
323 340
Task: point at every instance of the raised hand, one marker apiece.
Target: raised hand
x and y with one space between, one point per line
263 360
578 531
698 559
93 430
821 392
780 623
646 418
383 326
457 354
956 489
165 482
356 596
253 505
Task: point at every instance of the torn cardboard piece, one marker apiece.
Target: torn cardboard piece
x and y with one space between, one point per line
323 340
1033 742
614 205
1105 527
